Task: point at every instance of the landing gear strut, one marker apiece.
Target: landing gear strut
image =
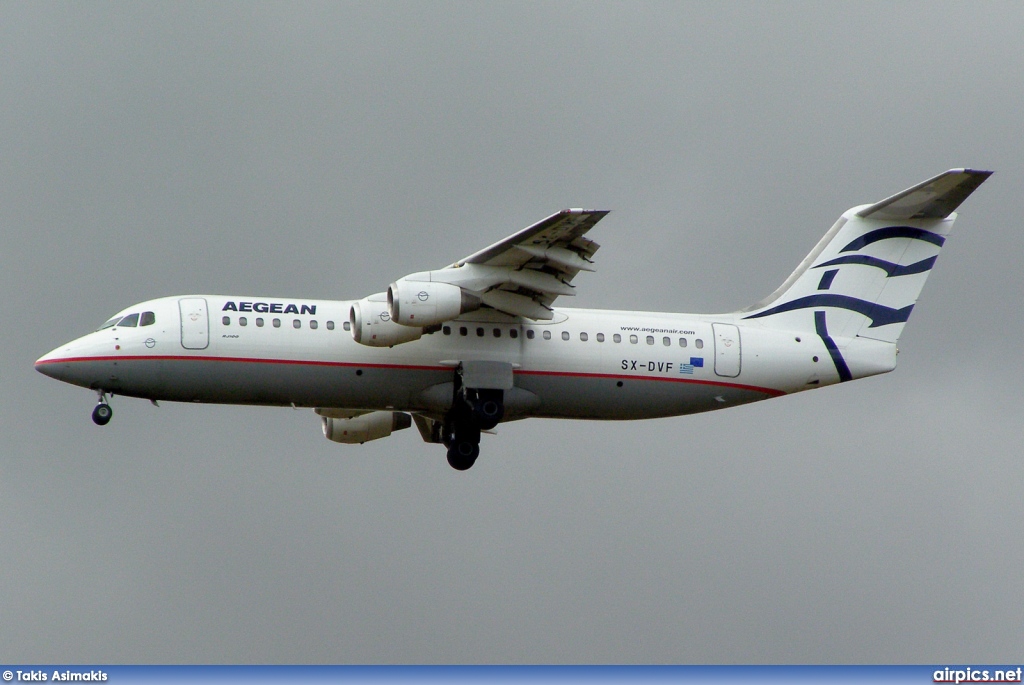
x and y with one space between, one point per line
102 413
461 432
473 410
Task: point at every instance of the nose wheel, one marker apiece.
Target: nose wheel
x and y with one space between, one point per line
102 414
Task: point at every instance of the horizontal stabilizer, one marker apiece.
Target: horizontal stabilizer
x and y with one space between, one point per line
936 198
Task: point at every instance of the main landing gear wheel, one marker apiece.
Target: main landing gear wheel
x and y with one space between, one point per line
488 408
463 442
472 410
101 414
462 454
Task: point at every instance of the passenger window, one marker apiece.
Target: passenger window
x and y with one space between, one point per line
447 330
313 324
347 326
148 319
226 320
617 338
277 323
583 337
296 323
666 341
682 342
633 339
600 337
497 332
330 325
650 340
479 332
463 331
547 335
242 321
130 321
565 335
259 322
530 334
513 333
699 343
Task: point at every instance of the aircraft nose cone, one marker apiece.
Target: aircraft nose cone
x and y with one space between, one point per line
51 364
50 370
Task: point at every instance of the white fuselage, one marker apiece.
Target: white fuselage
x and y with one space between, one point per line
593 364
457 350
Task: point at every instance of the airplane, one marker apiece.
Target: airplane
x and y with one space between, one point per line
460 349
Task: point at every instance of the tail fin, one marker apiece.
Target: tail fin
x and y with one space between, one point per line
866 274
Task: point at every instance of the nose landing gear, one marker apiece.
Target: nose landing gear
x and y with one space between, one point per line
102 414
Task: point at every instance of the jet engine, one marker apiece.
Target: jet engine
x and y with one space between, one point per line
425 303
372 324
359 429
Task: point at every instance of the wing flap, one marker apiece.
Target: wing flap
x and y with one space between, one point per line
540 282
524 273
559 257
531 268
516 305
557 230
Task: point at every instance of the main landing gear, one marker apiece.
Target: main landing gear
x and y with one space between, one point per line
102 414
473 410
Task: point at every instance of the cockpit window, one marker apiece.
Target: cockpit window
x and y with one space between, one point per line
147 319
130 321
109 324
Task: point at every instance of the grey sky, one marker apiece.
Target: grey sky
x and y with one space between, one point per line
322 150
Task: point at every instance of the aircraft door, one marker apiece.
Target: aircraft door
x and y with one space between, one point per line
195 323
727 350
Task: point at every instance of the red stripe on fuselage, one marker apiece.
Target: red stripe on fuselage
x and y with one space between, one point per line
244 360
409 367
738 386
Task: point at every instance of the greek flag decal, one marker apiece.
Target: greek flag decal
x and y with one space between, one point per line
695 362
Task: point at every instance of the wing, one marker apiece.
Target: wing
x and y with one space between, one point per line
562 232
522 274
541 261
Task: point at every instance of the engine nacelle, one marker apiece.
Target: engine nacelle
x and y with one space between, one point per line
372 324
425 303
359 429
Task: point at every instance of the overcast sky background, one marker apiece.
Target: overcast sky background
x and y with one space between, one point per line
323 150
